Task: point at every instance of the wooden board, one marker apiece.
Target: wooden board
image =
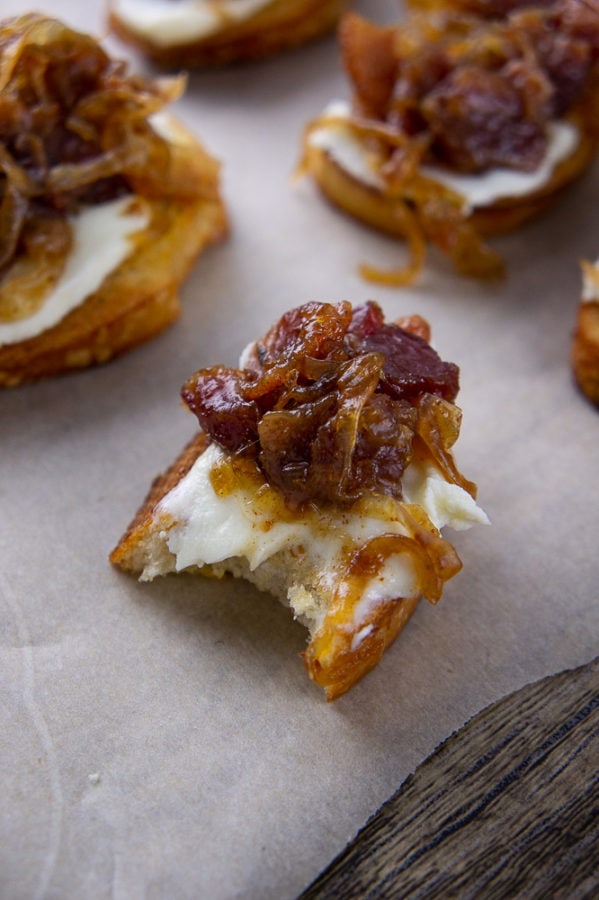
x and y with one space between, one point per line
506 807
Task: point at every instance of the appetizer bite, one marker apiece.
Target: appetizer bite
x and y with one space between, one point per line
202 33
585 344
467 120
323 473
106 201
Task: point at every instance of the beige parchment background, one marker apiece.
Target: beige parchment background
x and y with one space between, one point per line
163 740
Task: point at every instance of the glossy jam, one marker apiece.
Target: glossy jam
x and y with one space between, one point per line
332 404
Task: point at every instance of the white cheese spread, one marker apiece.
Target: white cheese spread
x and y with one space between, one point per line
171 22
205 528
477 190
170 129
101 242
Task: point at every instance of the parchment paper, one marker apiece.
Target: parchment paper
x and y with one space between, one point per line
163 740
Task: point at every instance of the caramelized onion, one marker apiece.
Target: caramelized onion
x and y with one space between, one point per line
425 210
333 654
74 129
332 403
46 240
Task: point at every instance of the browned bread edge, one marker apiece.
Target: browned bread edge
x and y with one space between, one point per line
121 556
585 350
280 26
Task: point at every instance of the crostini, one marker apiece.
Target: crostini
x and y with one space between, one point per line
206 33
461 126
106 202
323 473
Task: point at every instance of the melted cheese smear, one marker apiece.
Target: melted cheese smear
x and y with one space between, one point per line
171 22
208 529
101 242
489 187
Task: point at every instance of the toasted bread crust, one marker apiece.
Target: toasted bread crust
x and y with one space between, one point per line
281 25
138 299
585 350
124 554
338 674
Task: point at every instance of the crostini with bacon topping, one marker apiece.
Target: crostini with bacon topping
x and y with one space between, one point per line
323 473
467 119
105 202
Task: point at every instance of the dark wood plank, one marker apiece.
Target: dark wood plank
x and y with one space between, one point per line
506 807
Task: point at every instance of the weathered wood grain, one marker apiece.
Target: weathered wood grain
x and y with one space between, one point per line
506 807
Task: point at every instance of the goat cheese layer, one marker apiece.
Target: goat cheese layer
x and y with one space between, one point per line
340 142
101 242
203 528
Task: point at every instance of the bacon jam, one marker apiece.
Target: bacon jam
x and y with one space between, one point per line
332 404
74 130
477 82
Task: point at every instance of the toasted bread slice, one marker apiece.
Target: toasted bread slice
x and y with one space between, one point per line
585 343
267 28
333 504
